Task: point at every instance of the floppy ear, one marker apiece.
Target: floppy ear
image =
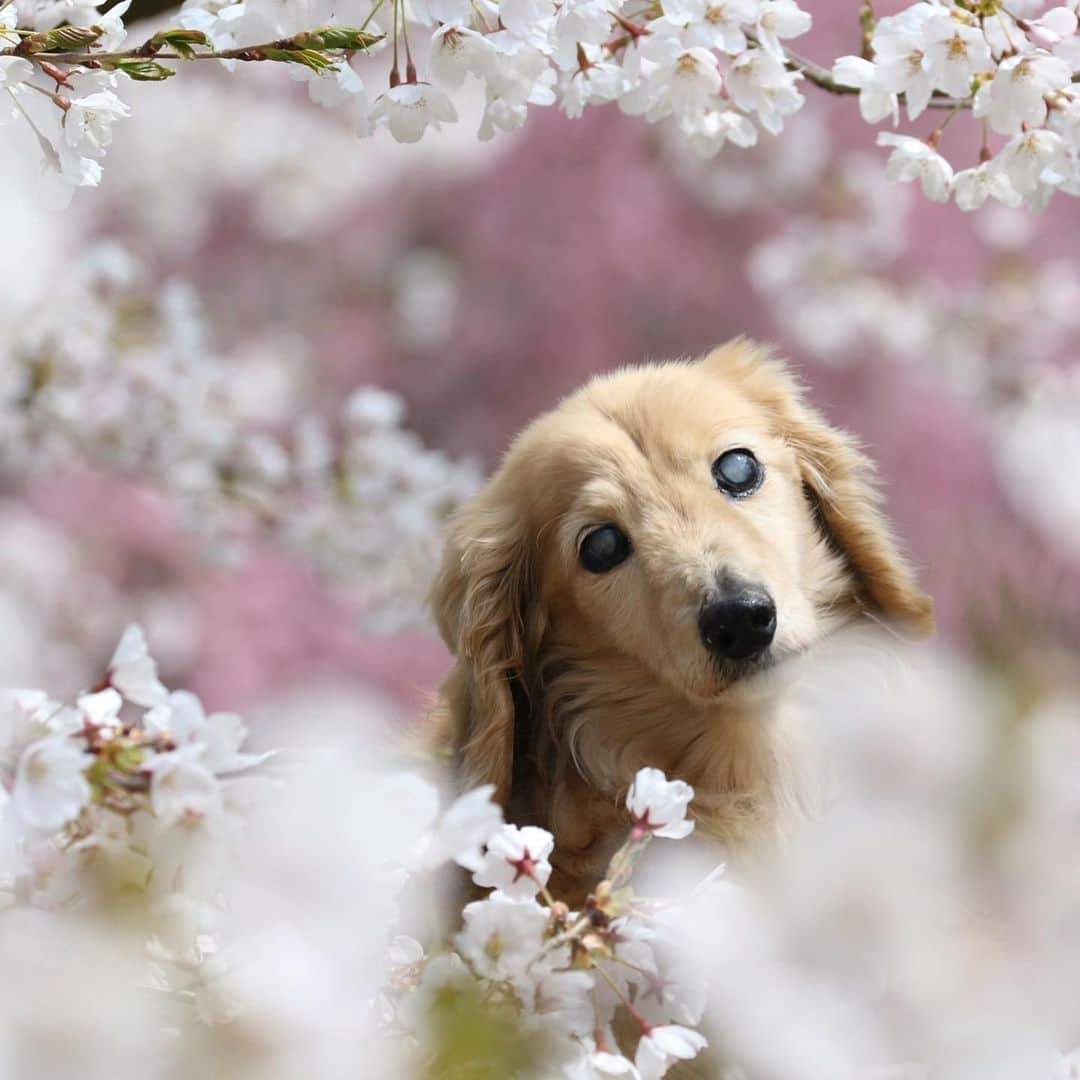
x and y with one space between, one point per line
840 482
482 599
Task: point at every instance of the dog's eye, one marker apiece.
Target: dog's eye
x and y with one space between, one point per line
603 549
738 472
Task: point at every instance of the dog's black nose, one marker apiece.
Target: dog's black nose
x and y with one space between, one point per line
738 625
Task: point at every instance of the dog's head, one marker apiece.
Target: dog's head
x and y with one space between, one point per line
698 522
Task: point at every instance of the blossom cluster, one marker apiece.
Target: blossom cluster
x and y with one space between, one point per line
61 65
1016 74
132 789
199 902
117 774
108 375
560 975
718 71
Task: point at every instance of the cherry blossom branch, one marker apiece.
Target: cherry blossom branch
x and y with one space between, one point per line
823 79
312 48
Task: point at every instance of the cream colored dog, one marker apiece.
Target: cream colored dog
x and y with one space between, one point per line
619 592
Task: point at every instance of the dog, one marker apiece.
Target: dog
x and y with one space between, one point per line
627 586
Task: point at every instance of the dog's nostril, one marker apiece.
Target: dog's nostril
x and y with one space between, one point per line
739 625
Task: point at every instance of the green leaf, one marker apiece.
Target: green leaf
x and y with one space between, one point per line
142 70
343 37
62 39
308 57
180 40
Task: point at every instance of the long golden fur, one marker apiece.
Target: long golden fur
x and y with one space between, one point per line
566 682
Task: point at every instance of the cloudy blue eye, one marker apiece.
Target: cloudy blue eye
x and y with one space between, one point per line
738 472
603 549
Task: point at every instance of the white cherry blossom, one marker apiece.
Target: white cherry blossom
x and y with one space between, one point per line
182 788
1034 158
579 22
658 805
900 55
718 25
410 109
683 87
760 83
101 709
457 51
133 671
516 861
501 940
50 783
1053 27
913 159
88 122
720 127
972 187
779 19
956 51
661 1047
1017 93
877 98
521 76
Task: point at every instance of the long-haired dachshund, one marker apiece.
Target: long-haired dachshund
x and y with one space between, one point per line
619 592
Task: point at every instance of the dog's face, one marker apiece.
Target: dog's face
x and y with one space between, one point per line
672 528
697 522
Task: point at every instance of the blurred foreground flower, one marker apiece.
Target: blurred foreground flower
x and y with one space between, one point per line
221 912
133 821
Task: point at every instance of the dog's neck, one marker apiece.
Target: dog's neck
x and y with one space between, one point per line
607 718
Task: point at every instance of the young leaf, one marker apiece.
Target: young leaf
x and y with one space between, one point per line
308 57
180 40
344 37
142 70
62 39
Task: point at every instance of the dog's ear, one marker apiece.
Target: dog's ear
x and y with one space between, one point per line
482 599
839 480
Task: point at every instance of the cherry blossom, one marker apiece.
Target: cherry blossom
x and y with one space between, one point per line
714 71
133 671
182 788
877 99
956 52
721 25
516 861
466 826
972 187
776 20
50 783
502 939
88 122
658 805
913 159
410 109
661 1047
1017 93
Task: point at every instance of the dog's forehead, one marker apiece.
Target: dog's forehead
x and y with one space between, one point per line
671 413
634 427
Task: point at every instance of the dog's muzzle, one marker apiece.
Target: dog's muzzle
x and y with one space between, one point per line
739 624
